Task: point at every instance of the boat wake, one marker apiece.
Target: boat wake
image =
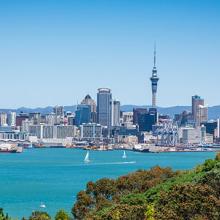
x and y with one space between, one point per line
111 163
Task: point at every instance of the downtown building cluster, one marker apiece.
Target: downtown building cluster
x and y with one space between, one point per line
101 121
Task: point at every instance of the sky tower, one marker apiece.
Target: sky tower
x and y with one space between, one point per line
154 80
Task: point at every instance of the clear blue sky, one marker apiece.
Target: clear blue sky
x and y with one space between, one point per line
56 51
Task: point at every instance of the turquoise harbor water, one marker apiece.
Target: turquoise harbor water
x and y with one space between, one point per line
54 176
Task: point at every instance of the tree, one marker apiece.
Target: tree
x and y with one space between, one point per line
37 215
3 216
82 206
62 215
188 201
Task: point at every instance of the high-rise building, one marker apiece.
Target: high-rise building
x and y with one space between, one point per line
59 112
199 110
116 112
104 111
146 121
3 119
137 112
154 80
196 101
12 119
83 114
202 114
89 101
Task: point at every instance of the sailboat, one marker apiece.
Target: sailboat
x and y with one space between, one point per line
124 155
86 160
42 205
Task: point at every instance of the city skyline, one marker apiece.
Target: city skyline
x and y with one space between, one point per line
57 52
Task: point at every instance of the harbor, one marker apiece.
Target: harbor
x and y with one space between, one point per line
53 176
18 147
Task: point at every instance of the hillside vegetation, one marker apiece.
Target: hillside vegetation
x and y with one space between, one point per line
159 193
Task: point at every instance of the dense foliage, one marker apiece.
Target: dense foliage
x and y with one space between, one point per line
3 216
155 194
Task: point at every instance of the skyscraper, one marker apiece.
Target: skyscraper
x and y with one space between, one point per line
59 112
196 101
83 114
154 80
12 119
3 119
199 110
104 111
116 113
89 101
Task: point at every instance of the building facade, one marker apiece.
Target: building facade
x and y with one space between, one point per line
104 109
91 131
116 113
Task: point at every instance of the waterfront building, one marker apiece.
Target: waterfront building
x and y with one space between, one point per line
91 131
116 113
48 132
131 139
36 130
13 135
83 114
104 110
191 135
89 101
3 119
154 81
43 131
12 119
65 131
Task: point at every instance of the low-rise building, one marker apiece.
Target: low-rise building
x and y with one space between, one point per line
91 131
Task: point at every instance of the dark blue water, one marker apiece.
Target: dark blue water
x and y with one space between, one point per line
54 176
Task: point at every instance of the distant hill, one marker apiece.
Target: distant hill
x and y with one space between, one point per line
214 112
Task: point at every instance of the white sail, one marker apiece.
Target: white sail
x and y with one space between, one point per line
86 160
124 155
